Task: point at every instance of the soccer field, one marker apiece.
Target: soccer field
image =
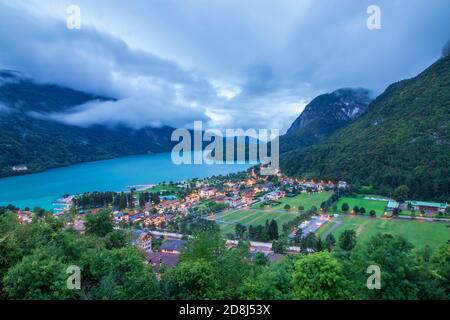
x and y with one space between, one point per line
378 206
419 233
254 217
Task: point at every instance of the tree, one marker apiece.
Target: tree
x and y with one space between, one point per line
355 209
440 265
45 280
273 230
301 208
192 280
99 224
309 242
279 246
240 230
401 278
319 276
330 241
347 240
120 274
345 207
287 207
401 193
272 282
260 259
362 210
372 213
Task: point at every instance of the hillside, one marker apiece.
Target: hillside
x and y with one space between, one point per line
40 144
403 138
323 116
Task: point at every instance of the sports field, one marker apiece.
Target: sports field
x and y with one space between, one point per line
304 199
254 217
419 233
378 206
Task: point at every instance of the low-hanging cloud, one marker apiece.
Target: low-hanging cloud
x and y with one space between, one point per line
130 112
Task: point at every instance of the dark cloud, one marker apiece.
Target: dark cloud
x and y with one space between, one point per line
232 63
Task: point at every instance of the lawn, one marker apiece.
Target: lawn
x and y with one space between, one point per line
378 206
419 233
228 220
162 187
304 199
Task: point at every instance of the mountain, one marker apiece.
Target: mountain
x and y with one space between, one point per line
324 115
40 144
403 138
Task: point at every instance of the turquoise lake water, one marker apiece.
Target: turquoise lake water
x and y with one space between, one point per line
42 189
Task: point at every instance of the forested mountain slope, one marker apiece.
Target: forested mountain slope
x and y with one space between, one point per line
403 138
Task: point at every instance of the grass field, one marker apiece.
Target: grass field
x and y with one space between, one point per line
419 233
161 187
228 220
378 206
303 199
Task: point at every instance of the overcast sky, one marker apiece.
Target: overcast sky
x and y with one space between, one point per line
232 63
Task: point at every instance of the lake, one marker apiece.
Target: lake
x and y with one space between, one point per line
42 189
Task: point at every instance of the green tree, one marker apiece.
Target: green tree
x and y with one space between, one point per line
39 276
347 240
345 207
287 207
121 274
319 276
99 224
401 193
372 213
279 246
440 265
240 230
330 241
400 275
272 282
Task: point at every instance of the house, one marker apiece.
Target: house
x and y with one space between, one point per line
274 256
342 184
20 167
428 207
136 217
233 201
79 226
274 195
145 242
207 192
160 259
173 246
392 205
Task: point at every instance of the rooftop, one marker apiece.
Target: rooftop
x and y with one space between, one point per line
173 245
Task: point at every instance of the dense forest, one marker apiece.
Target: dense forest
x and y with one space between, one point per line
403 138
34 259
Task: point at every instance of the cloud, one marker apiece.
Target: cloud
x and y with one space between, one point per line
131 112
250 64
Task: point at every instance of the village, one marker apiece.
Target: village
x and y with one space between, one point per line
163 217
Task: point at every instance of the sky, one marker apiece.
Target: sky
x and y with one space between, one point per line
229 63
